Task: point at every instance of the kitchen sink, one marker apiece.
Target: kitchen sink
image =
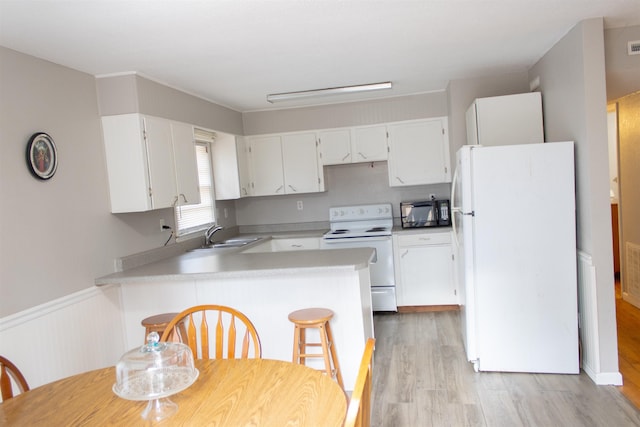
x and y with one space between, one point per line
235 242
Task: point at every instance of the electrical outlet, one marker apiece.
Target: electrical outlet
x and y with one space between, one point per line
300 205
161 224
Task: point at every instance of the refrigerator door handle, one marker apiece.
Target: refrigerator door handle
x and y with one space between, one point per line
454 208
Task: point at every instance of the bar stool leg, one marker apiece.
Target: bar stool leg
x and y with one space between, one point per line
325 350
334 357
303 345
296 344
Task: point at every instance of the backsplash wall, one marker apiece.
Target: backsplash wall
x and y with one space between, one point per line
354 184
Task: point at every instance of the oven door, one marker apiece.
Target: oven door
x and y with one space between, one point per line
383 286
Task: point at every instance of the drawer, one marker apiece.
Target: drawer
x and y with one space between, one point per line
424 239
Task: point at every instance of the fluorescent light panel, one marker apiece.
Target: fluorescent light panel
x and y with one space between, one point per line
278 97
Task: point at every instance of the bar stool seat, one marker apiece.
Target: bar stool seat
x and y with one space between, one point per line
157 323
316 318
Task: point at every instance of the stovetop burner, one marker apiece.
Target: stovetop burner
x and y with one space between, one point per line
375 229
340 231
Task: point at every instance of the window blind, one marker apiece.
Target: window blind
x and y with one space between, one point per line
192 218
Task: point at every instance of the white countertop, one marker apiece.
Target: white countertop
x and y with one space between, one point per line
231 262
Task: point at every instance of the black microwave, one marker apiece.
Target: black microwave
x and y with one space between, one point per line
431 213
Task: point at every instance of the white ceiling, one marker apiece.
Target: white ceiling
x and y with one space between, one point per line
235 52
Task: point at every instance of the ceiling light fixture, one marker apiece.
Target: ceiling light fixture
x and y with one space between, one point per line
288 96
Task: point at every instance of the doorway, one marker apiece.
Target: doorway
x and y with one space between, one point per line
624 139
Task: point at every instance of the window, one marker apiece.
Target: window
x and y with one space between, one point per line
193 218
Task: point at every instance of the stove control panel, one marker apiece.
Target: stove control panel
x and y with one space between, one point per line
361 212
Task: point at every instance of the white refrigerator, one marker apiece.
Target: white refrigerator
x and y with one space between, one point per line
513 216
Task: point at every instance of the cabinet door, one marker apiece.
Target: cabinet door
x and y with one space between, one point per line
162 174
266 166
243 166
369 144
418 153
300 159
127 170
226 173
186 165
426 276
335 146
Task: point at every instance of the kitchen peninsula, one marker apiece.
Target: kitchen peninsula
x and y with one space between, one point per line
266 286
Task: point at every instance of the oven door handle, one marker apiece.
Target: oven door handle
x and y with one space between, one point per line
347 240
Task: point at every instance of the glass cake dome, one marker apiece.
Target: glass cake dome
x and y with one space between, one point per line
153 372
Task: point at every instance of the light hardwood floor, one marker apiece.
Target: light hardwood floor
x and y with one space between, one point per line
421 378
628 320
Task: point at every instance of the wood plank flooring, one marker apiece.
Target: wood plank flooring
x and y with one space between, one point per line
421 378
628 319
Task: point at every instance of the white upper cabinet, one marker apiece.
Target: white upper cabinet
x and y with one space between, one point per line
265 165
419 152
353 145
230 168
186 165
335 146
302 169
369 143
151 163
284 164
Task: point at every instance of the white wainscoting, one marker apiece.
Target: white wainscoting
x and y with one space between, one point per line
587 307
589 330
77 333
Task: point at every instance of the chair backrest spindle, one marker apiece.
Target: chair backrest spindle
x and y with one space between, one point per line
229 321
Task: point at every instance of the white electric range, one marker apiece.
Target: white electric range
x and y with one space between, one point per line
367 226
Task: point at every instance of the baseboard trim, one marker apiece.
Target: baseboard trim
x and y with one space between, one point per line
427 308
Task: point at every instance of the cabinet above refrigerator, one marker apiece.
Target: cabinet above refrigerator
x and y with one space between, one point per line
505 120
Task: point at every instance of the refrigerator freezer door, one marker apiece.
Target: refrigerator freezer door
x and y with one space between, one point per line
525 258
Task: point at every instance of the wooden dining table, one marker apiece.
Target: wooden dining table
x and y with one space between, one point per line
240 392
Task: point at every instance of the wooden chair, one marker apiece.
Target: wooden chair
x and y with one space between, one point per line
359 409
9 372
233 331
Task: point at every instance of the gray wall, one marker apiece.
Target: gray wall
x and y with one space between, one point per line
134 94
623 70
572 81
346 114
354 184
57 235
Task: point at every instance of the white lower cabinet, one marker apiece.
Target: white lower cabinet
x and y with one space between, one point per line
424 269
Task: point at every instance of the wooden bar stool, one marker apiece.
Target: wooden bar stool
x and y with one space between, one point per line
158 323
315 318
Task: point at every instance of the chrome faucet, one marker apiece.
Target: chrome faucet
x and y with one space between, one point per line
210 232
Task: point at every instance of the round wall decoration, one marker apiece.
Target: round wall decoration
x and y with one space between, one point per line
42 156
